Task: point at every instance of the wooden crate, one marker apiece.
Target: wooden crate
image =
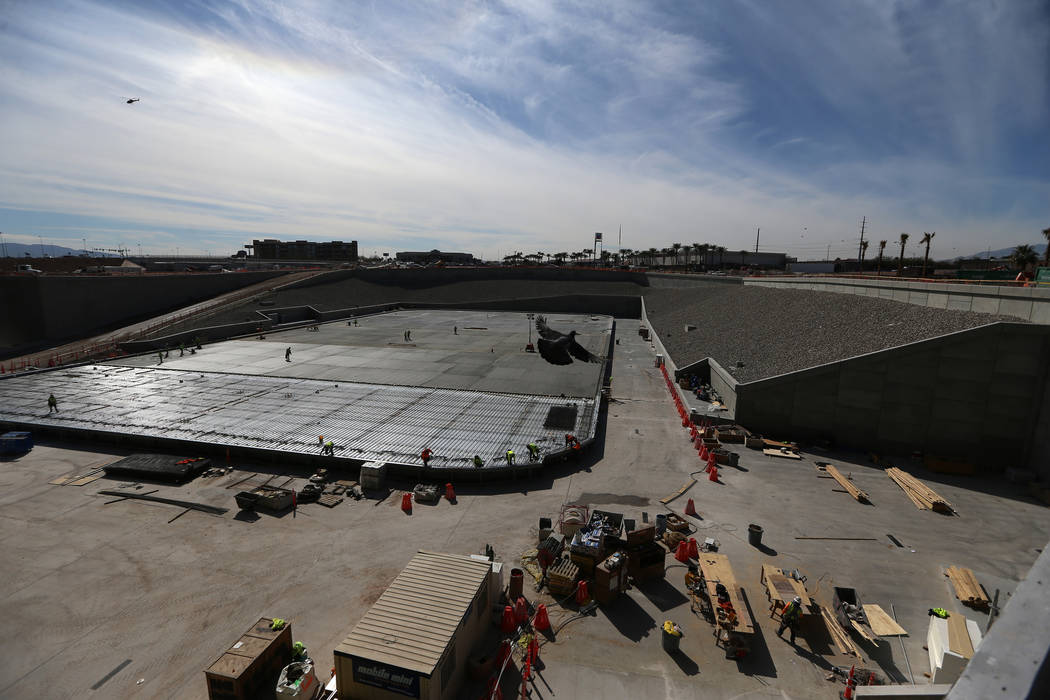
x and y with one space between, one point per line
251 666
610 579
641 536
561 578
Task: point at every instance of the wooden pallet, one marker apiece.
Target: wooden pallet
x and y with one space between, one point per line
919 493
967 588
329 500
845 483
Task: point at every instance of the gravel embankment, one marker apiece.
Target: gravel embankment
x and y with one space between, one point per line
774 331
354 292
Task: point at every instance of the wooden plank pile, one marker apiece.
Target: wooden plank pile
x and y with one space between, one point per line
919 493
967 588
838 635
881 623
846 484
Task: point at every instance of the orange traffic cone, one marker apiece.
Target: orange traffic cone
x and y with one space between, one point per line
508 624
406 502
582 596
534 650
694 551
847 694
521 610
685 421
690 507
703 451
682 553
450 494
541 621
713 474
711 460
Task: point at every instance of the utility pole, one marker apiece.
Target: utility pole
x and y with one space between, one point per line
757 234
860 249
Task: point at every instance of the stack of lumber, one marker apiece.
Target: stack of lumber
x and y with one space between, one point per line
967 589
838 635
846 484
920 494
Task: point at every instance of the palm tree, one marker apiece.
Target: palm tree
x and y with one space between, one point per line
1046 253
900 261
699 249
882 247
1023 256
675 247
863 250
926 238
560 257
652 256
721 252
540 255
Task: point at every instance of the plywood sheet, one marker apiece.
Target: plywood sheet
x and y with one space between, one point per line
782 453
959 637
881 623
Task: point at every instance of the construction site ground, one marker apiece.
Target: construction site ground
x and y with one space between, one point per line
113 600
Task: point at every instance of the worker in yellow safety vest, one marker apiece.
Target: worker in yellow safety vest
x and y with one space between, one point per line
510 456
789 617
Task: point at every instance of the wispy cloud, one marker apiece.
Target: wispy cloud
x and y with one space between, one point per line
497 126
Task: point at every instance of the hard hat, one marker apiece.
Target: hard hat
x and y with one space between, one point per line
797 600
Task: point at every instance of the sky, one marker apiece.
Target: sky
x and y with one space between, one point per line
495 127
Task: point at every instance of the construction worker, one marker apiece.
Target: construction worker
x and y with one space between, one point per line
510 456
328 449
425 455
160 358
455 330
299 652
182 349
789 617
288 354
534 451
52 404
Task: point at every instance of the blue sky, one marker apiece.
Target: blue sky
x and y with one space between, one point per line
493 127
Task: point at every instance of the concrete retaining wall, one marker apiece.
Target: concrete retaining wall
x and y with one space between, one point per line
1027 303
430 277
667 279
605 304
45 311
978 394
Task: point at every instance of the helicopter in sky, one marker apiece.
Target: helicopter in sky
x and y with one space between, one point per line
132 100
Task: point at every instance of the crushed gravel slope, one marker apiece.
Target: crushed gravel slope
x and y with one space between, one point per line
774 331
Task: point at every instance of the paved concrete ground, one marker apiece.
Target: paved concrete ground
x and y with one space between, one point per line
89 586
487 353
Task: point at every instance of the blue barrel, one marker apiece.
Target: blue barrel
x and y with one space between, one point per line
661 523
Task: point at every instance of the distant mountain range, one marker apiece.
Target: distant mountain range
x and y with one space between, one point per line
1039 248
35 250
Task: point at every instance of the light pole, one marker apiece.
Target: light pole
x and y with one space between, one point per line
3 243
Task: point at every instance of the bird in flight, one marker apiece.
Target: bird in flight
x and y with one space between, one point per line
559 348
133 100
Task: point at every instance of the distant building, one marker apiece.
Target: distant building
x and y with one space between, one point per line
434 256
273 249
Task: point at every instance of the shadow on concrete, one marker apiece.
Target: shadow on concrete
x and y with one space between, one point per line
662 594
685 662
882 655
767 550
246 516
629 618
759 662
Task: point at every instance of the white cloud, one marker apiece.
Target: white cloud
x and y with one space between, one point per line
483 127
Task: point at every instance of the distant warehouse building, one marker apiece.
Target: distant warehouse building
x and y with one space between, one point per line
435 256
273 249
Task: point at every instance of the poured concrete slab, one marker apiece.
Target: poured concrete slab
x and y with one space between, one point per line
479 350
